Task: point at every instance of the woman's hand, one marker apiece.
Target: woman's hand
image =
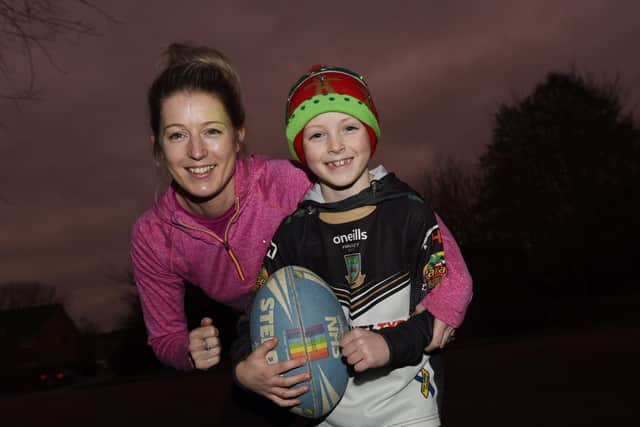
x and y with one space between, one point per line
442 332
204 345
365 349
267 380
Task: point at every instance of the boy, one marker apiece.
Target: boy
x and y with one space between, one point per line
375 241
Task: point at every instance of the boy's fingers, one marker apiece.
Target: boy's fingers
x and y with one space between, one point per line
266 347
283 402
291 380
350 336
291 392
281 368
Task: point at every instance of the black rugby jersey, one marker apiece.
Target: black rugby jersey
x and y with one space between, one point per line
379 250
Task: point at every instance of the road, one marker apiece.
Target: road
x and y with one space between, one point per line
582 377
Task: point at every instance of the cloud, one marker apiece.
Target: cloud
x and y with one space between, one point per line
101 307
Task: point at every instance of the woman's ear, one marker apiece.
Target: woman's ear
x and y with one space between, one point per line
240 134
158 154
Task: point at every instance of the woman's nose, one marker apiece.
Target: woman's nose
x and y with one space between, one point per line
197 149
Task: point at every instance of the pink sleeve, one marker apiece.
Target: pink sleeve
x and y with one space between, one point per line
162 298
449 300
294 181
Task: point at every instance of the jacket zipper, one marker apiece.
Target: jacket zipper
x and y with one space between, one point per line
224 241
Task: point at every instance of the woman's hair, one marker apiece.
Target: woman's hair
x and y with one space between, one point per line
195 69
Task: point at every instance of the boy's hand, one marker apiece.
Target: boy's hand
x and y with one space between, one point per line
267 380
365 349
204 345
442 333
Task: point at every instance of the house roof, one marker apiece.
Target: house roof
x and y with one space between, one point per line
28 320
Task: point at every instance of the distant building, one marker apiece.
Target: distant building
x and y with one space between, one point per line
37 340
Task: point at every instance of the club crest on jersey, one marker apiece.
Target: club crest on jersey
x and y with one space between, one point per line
354 275
434 270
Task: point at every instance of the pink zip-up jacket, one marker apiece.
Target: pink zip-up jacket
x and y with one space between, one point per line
169 248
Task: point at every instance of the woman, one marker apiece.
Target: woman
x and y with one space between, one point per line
213 225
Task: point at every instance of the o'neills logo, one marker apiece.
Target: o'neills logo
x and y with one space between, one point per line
356 234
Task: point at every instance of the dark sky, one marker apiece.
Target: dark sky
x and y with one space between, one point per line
77 166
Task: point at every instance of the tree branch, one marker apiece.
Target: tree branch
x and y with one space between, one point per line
29 25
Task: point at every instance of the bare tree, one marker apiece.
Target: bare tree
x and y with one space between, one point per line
451 188
28 27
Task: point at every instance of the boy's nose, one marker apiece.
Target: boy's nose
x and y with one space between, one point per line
335 144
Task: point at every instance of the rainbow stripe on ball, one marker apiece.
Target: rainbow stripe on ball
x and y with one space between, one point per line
315 339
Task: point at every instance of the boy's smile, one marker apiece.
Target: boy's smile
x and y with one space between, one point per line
340 163
337 150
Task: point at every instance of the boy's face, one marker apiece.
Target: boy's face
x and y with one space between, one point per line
337 150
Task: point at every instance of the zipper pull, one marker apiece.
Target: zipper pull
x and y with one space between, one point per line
374 186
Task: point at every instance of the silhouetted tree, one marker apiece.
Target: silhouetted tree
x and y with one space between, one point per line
451 187
15 295
559 183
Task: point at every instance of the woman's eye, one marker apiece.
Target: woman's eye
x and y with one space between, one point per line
315 135
351 128
212 132
176 136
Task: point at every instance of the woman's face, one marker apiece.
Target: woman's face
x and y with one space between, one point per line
200 145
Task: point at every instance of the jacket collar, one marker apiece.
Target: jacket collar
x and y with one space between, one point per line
383 186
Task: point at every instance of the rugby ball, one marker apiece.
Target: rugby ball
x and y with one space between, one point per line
299 308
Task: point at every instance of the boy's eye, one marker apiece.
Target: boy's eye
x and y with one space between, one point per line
315 135
349 128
